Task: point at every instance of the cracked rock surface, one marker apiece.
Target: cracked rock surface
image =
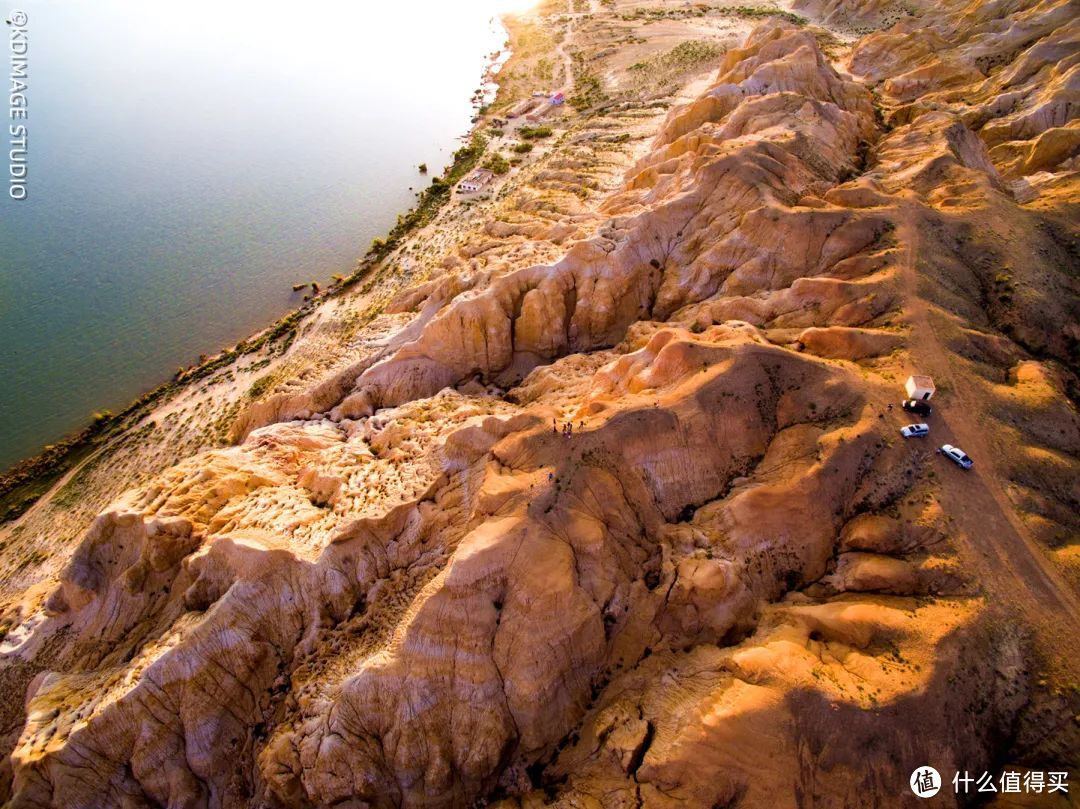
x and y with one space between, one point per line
732 583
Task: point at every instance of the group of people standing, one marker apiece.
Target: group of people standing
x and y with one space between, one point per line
567 428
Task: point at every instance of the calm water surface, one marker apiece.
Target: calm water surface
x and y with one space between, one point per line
190 161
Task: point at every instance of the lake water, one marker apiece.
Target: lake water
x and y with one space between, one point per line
189 161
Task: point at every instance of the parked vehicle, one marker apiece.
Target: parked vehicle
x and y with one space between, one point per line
957 456
915 430
917 406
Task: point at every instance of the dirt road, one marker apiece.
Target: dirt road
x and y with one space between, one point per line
1012 563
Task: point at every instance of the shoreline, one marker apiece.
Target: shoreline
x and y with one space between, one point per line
26 480
307 360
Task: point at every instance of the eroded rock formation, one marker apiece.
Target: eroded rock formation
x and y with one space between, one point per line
731 583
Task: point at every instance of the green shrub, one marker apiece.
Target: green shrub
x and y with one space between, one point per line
260 386
534 132
497 164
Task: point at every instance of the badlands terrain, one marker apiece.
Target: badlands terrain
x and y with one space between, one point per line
357 561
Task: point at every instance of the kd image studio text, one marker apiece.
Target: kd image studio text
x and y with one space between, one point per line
18 106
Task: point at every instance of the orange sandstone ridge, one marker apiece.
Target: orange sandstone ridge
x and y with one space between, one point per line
732 583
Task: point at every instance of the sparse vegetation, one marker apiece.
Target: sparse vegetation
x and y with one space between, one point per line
532 44
701 9
758 12
588 92
497 163
534 132
260 386
431 200
543 70
1004 286
684 55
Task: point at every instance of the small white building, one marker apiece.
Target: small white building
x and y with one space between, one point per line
475 181
919 386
